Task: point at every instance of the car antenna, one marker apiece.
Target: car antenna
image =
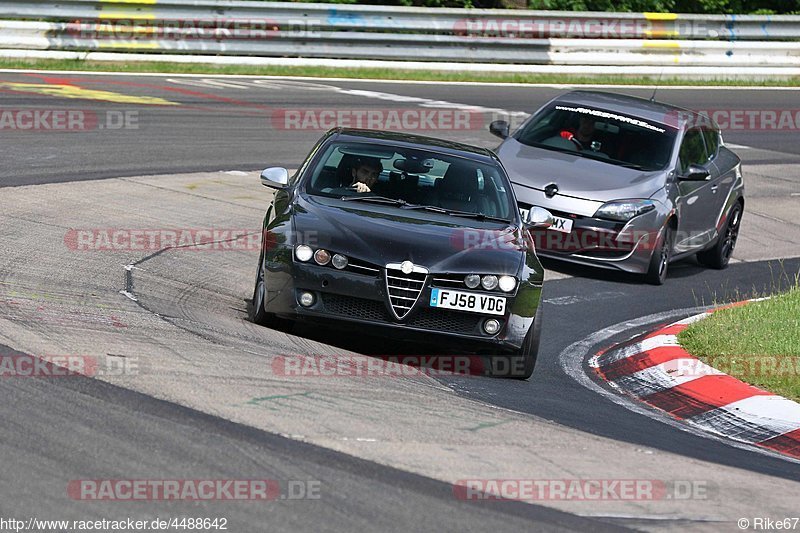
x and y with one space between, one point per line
658 82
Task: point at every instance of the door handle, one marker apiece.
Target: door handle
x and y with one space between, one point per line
714 189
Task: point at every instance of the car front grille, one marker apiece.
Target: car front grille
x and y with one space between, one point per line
428 319
449 281
355 307
404 289
446 321
362 267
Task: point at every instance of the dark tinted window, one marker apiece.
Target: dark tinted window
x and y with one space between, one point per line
597 134
712 141
693 150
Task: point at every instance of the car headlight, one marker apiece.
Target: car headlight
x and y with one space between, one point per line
303 252
507 283
624 210
489 282
322 257
472 281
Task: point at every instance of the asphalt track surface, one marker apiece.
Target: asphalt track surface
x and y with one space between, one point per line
61 428
224 127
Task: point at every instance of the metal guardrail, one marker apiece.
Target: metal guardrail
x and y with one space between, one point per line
285 29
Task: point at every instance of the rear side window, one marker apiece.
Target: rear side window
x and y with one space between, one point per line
693 150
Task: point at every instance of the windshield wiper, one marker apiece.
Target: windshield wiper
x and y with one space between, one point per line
478 216
628 165
466 214
376 199
427 208
410 206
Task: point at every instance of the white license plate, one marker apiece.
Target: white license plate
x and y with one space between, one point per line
468 301
559 223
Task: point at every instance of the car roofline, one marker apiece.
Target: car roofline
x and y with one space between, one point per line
642 107
410 140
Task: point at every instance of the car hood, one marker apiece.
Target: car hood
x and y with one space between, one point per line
578 177
385 234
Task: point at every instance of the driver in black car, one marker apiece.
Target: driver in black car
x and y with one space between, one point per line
365 174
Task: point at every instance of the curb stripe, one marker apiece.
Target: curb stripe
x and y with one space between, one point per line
673 329
654 368
741 420
701 395
656 341
664 376
788 443
776 412
640 361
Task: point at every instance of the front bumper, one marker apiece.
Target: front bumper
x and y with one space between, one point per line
360 298
601 243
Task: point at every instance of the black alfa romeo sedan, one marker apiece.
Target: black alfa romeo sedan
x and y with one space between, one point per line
419 237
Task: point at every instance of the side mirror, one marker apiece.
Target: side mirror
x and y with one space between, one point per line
696 173
275 177
538 217
501 128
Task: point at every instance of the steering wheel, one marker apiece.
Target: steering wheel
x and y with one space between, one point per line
568 135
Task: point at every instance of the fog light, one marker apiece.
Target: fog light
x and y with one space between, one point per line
507 283
306 299
303 252
491 326
489 282
339 261
472 281
322 257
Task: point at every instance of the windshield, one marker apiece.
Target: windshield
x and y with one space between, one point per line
410 178
597 134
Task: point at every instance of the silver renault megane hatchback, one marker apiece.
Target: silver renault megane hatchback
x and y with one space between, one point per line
634 184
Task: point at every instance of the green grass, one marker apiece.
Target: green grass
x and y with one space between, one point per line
758 343
361 73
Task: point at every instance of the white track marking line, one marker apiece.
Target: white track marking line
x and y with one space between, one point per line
129 295
409 82
739 146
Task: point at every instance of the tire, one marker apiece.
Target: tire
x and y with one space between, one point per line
720 254
257 313
659 260
520 365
